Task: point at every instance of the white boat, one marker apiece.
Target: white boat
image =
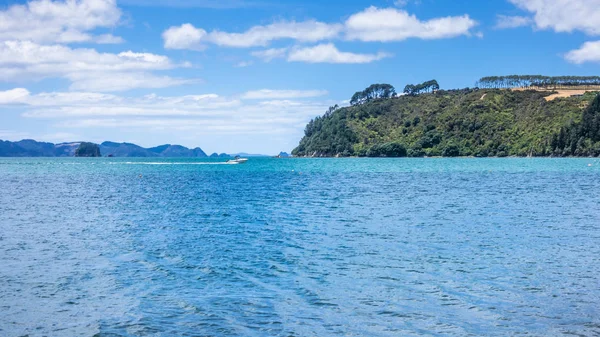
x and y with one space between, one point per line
237 160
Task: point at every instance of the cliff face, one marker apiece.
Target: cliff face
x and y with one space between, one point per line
489 122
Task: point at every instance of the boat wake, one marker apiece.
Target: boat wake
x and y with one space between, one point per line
164 163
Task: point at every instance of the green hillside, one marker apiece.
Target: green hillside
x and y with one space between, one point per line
469 122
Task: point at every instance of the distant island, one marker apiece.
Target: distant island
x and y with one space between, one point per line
32 148
88 150
504 116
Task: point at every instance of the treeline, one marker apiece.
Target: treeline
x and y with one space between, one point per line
425 87
374 91
537 81
382 90
580 139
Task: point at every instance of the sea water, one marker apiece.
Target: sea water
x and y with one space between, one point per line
299 247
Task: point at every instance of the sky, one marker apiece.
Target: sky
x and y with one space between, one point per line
246 76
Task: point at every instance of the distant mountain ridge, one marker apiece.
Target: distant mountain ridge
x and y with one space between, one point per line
113 149
32 148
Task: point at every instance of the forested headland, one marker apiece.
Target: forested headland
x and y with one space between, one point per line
484 121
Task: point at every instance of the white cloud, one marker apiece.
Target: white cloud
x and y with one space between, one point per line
328 53
504 22
107 82
46 21
87 69
14 96
307 31
564 15
280 94
269 54
69 98
372 24
187 36
264 112
390 24
589 52
249 127
109 39
322 53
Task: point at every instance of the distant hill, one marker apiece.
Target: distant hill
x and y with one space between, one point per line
32 148
169 150
450 123
132 150
222 155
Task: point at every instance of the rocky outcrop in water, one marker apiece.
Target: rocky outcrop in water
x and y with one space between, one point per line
88 150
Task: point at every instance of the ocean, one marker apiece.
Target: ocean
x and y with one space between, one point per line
299 247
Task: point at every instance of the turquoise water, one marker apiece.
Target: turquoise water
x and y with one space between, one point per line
299 247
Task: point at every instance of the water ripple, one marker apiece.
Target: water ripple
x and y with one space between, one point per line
314 247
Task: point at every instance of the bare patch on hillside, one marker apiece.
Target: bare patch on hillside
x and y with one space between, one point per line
560 93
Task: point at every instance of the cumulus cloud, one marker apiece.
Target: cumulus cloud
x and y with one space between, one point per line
391 24
46 21
87 69
372 24
504 22
187 36
589 52
14 96
564 15
328 53
307 31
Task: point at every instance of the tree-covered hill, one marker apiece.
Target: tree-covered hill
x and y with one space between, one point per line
88 150
469 122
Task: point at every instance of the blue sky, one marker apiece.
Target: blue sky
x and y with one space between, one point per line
234 75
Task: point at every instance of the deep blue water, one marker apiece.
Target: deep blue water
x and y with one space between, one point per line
300 247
